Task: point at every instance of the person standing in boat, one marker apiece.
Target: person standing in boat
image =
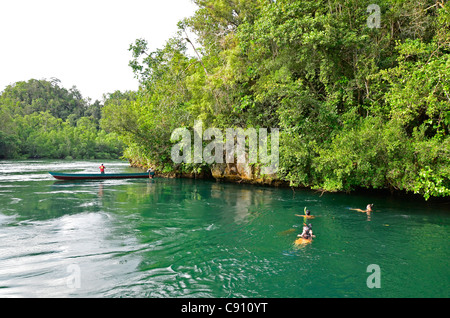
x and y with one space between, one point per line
151 173
102 169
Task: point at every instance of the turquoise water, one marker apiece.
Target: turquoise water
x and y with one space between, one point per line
197 238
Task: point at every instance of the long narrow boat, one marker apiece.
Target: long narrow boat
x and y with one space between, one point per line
96 176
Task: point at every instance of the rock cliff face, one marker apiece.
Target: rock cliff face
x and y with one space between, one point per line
229 172
243 172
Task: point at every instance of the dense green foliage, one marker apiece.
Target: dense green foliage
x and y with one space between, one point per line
357 107
40 119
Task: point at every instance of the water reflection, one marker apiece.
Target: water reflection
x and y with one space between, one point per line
242 202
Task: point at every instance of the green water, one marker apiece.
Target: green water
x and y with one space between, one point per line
196 238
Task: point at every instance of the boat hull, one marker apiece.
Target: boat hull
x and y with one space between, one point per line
97 176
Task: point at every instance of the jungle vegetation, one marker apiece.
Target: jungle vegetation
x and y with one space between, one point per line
357 106
359 103
41 119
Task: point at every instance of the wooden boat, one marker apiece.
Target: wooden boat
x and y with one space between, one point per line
97 176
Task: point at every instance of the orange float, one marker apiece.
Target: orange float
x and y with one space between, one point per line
302 241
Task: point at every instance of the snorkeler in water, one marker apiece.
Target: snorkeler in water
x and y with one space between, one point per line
307 214
367 210
307 233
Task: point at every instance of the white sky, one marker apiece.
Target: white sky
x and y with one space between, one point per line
82 42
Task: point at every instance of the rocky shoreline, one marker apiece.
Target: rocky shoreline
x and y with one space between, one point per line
227 172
